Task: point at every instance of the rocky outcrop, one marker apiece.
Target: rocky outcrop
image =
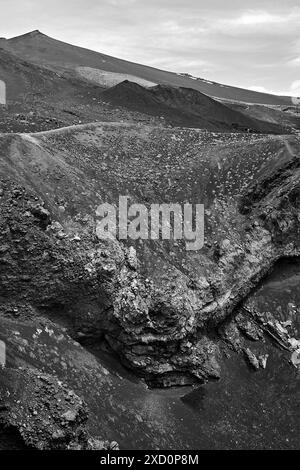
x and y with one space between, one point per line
166 312
44 413
163 324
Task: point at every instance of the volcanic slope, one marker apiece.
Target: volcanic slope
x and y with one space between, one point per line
43 50
285 116
40 99
186 107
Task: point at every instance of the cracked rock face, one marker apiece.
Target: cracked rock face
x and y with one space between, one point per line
160 307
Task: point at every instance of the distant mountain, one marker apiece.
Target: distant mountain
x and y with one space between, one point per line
185 107
43 50
39 98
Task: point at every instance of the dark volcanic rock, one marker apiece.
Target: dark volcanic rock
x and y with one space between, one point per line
43 411
161 308
157 313
185 107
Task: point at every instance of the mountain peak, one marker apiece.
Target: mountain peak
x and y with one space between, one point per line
45 50
33 33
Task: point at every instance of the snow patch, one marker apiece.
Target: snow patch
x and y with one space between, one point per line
109 79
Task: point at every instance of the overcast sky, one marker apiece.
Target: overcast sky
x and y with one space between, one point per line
254 44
